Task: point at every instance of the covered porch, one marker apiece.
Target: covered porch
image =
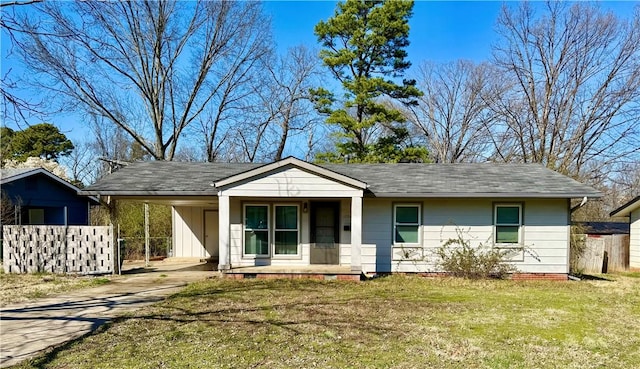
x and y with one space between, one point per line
290 217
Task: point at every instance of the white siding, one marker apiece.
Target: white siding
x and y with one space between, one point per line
376 234
634 239
545 232
291 183
236 237
188 231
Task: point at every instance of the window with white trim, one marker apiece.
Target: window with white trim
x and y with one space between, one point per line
264 236
286 231
507 223
406 223
256 229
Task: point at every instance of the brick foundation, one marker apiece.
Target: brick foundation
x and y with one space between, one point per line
540 276
356 277
340 277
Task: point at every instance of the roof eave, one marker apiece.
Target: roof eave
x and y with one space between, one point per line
147 193
487 195
626 209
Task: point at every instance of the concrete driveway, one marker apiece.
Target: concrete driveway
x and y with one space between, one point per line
28 328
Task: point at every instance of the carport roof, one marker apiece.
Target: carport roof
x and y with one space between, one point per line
160 178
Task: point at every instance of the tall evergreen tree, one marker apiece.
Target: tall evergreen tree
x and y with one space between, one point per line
364 48
42 140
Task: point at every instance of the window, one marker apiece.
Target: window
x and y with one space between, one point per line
256 229
36 216
508 219
262 236
286 230
406 223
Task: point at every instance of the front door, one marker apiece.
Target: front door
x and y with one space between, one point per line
211 234
325 233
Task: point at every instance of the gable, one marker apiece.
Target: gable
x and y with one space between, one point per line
40 190
41 185
289 181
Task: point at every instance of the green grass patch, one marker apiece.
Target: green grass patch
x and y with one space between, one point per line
394 322
24 287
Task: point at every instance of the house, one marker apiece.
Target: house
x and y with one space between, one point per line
294 217
39 197
632 210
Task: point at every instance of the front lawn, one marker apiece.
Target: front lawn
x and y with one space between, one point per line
394 322
24 287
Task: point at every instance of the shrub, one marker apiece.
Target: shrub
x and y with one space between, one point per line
577 246
458 258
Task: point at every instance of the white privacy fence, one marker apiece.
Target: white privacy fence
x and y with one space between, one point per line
57 249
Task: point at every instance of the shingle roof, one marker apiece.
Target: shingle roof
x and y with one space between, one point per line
604 227
166 178
383 180
465 180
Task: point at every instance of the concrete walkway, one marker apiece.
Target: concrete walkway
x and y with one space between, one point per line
26 329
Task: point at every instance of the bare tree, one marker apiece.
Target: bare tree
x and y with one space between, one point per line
82 164
452 116
574 87
14 106
150 68
280 111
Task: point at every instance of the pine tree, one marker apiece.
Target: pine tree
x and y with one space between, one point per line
364 48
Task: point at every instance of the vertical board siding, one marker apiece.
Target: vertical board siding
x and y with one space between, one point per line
634 239
57 249
188 232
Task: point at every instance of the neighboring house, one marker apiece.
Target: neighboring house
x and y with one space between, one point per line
39 197
295 217
632 210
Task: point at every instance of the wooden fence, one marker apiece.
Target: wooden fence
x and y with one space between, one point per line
605 253
57 249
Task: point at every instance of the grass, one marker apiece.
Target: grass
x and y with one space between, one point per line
394 322
24 287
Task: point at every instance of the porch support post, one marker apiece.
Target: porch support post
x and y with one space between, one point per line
356 233
223 233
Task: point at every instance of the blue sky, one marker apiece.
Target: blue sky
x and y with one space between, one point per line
441 31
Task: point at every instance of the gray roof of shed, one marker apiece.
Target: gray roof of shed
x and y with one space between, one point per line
156 178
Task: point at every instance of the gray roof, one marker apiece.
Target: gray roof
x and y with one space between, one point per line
465 180
383 180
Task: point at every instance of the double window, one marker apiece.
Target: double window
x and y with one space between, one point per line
261 234
406 223
507 223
